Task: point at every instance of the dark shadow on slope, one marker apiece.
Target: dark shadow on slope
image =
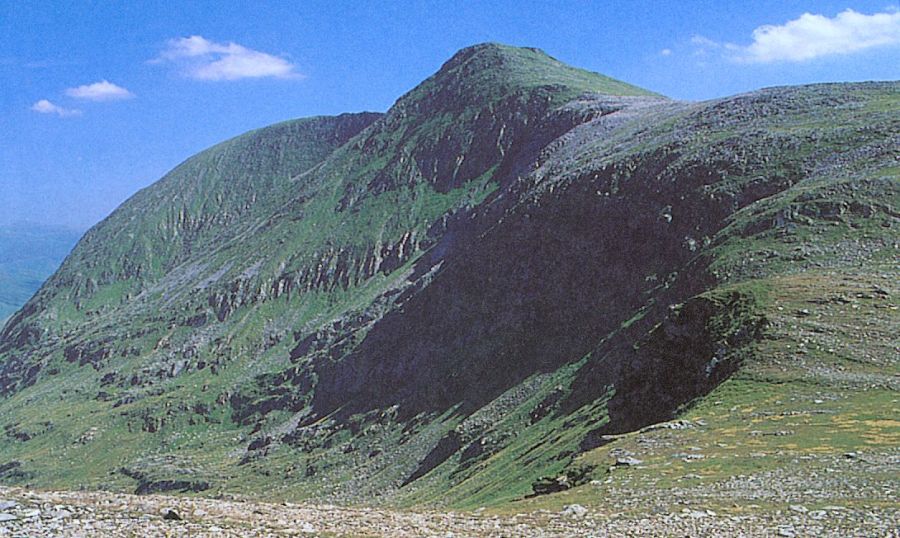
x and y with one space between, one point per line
530 295
657 369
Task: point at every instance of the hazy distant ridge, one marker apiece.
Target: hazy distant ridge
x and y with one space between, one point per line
29 253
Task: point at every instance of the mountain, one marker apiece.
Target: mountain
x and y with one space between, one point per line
475 296
29 253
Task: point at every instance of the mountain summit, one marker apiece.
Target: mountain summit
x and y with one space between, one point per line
488 72
461 300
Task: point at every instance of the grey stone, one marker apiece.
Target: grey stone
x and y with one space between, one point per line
59 514
787 531
627 461
171 515
574 510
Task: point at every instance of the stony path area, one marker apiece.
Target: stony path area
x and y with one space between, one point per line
80 514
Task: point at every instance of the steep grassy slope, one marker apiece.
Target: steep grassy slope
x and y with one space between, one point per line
28 255
516 263
202 203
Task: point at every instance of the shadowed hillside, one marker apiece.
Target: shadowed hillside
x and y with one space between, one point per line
517 263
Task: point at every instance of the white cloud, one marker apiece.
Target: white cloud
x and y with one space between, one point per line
46 107
812 36
100 91
704 42
207 60
665 52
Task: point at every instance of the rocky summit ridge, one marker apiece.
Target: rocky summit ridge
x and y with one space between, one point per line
487 292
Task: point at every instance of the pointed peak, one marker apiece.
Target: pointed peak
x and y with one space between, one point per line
498 68
491 50
498 58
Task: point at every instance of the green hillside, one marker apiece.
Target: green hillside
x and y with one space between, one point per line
477 296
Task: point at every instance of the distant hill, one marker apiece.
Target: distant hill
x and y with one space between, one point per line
29 254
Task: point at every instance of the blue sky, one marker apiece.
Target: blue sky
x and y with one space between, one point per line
100 99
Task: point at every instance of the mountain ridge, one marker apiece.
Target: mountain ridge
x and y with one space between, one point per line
483 286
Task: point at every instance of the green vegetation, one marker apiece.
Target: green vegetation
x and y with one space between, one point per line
811 405
480 289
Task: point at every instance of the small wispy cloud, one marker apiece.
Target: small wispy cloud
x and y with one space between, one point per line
203 59
704 42
811 36
46 107
665 52
100 91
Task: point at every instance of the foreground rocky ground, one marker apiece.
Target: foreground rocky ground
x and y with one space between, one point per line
75 514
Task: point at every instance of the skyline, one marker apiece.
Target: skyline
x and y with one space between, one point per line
106 98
